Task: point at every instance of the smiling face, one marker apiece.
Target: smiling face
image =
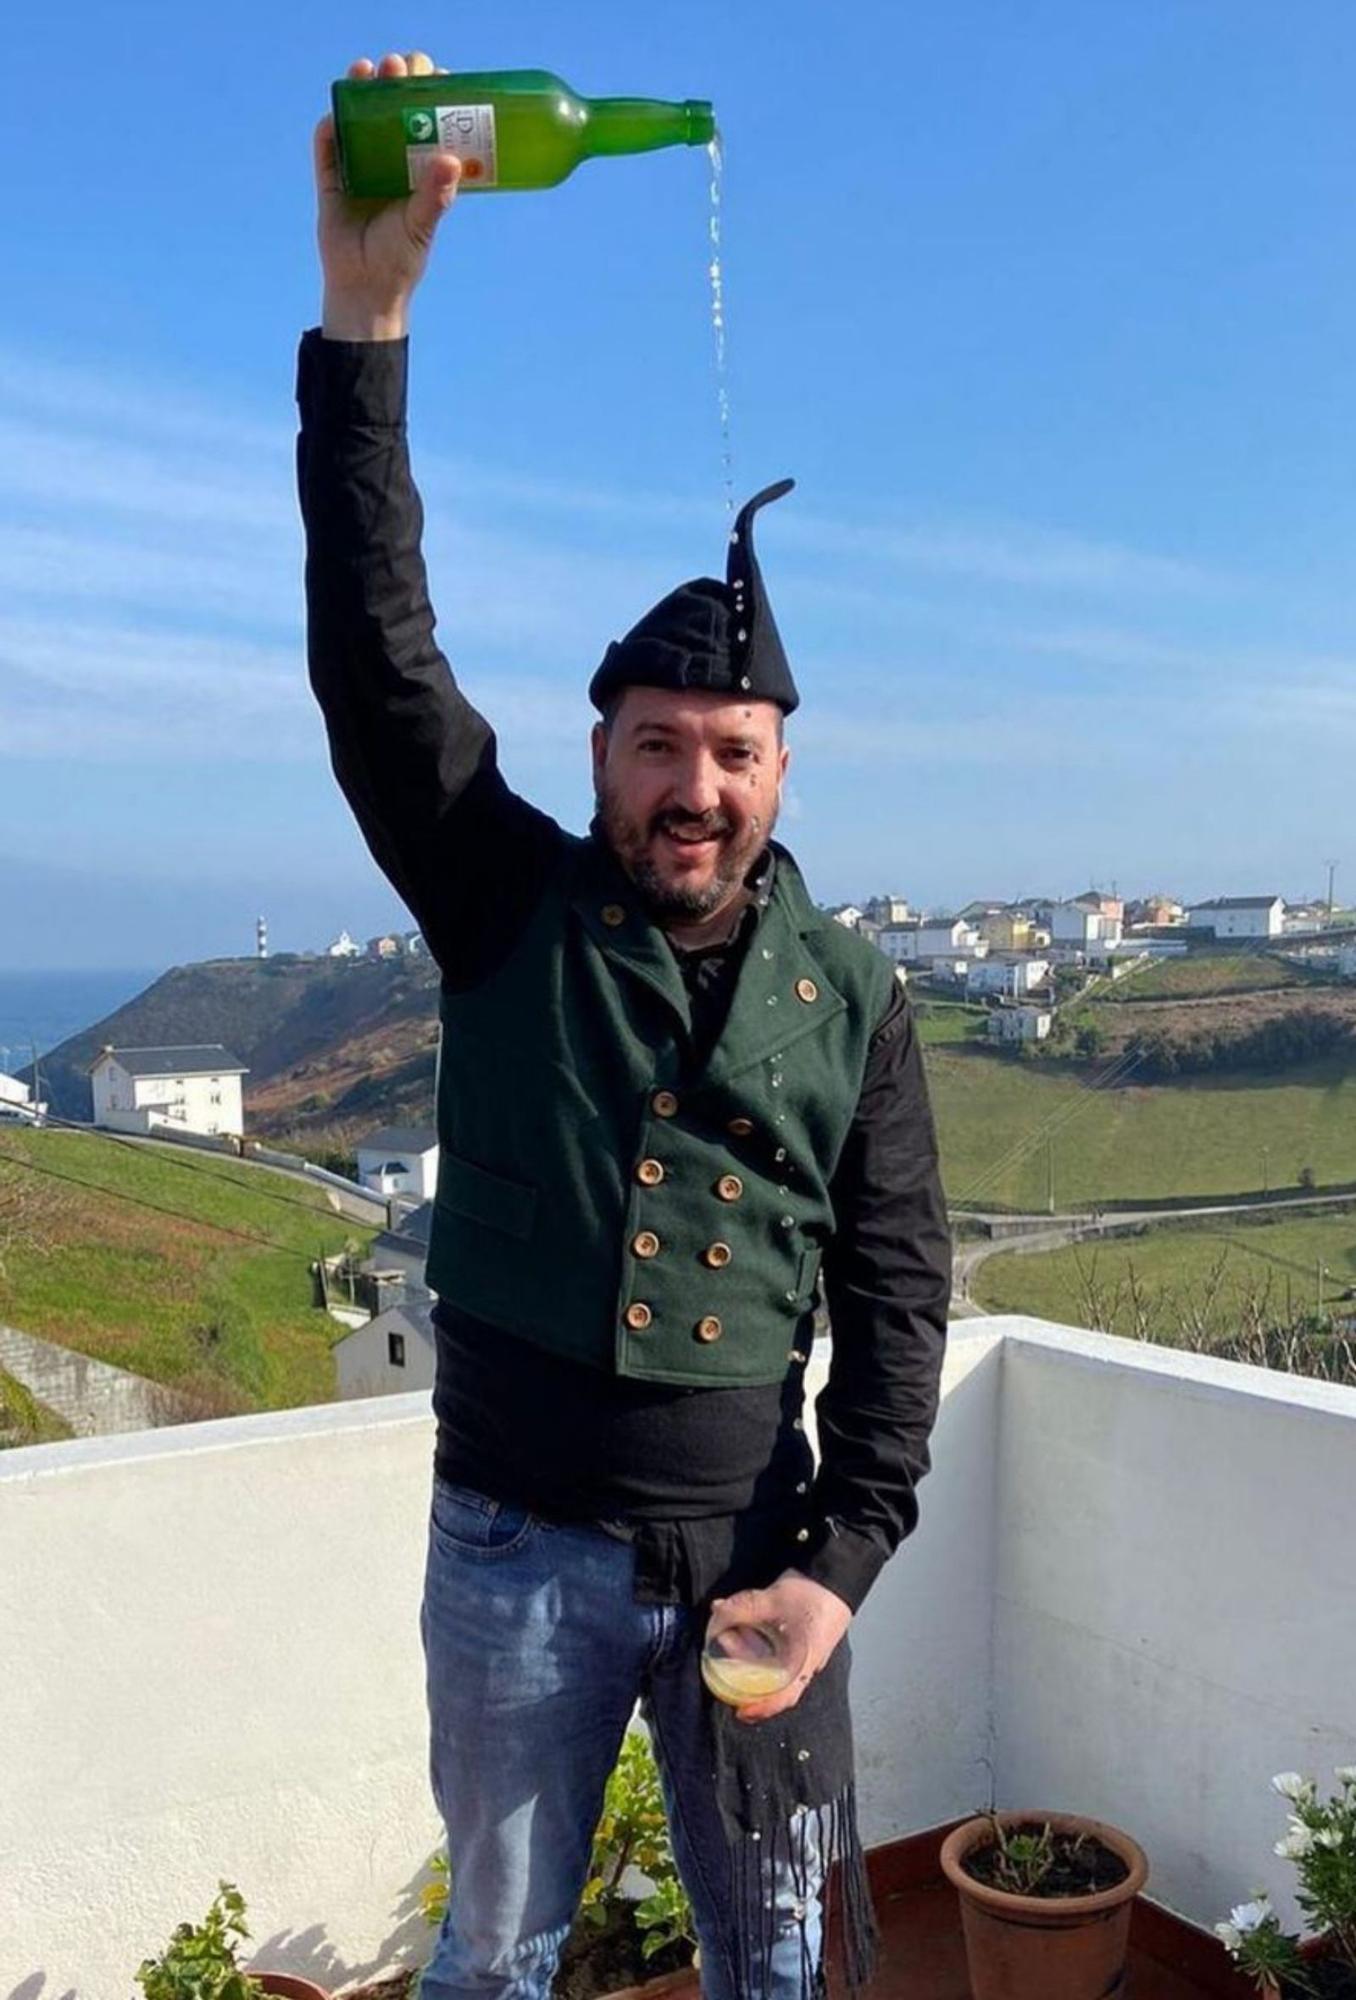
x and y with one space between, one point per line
688 786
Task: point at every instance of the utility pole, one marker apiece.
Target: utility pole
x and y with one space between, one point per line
1332 870
1266 1170
37 1086
1050 1174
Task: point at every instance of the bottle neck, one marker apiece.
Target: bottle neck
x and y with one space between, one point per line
639 124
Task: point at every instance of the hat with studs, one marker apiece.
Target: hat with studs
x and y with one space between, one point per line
720 638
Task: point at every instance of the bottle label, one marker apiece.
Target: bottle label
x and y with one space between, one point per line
464 129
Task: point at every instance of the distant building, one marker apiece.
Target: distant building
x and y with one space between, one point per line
1019 1024
1154 913
1346 962
1007 929
389 946
343 947
414 944
899 942
949 937
194 1089
1239 916
391 1355
399 1159
16 1099
1079 923
886 910
1012 978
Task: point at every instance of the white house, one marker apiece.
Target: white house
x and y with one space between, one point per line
1013 978
400 1159
194 1089
899 942
1078 924
392 1354
848 915
1239 916
343 947
1019 1024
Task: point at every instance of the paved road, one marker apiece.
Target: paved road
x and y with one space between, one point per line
1055 1232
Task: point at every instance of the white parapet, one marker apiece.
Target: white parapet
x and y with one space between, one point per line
1130 1594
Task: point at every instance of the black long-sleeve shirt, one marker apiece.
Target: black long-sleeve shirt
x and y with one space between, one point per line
419 767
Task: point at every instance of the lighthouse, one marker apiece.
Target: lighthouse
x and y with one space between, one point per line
261 937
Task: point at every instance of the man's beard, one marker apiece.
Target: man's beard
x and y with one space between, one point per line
630 840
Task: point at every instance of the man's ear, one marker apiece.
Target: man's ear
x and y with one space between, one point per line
598 750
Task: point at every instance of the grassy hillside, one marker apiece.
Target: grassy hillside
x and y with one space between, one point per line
999 1120
1175 1262
190 1270
1207 975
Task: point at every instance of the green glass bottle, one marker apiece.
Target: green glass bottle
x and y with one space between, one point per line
511 128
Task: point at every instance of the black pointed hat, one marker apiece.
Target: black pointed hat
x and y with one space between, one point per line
718 637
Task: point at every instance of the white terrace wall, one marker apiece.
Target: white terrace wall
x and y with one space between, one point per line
209 1661
210 1666
1175 1619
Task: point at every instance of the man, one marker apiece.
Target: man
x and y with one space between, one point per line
670 1095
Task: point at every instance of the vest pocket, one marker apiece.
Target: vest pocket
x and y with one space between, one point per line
484 1197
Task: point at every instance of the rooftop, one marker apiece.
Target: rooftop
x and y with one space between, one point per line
206 1059
398 1139
1130 1595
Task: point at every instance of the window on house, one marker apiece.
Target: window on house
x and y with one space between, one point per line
395 1344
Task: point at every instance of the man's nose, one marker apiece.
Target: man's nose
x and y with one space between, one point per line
698 789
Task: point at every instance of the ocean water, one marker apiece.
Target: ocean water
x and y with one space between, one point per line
43 1008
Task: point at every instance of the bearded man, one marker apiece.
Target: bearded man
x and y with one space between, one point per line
674 1100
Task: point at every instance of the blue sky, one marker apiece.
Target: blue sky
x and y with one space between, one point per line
1049 308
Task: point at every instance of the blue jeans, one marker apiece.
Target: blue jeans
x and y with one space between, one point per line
536 1654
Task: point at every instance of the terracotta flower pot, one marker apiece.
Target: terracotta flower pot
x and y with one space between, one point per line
1033 1947
287 1986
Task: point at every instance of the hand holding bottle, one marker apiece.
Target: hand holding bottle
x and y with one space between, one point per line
373 253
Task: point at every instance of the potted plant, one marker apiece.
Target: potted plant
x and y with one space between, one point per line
619 1946
1045 1904
1321 1841
199 1962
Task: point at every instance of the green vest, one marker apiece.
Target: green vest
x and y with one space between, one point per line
602 1197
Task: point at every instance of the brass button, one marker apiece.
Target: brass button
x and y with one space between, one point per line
806 990
638 1317
663 1104
717 1255
646 1244
740 1127
802 1534
649 1173
612 914
709 1328
729 1187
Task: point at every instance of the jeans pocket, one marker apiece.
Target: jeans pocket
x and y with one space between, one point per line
472 1524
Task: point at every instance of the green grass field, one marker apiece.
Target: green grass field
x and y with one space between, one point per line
999 1122
943 1021
189 1269
1091 1281
1205 977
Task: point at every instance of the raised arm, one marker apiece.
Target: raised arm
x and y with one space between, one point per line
416 761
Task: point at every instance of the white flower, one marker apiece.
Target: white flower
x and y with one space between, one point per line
1229 1935
1297 1843
1250 1916
1291 1785
1330 1836
1345 1773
